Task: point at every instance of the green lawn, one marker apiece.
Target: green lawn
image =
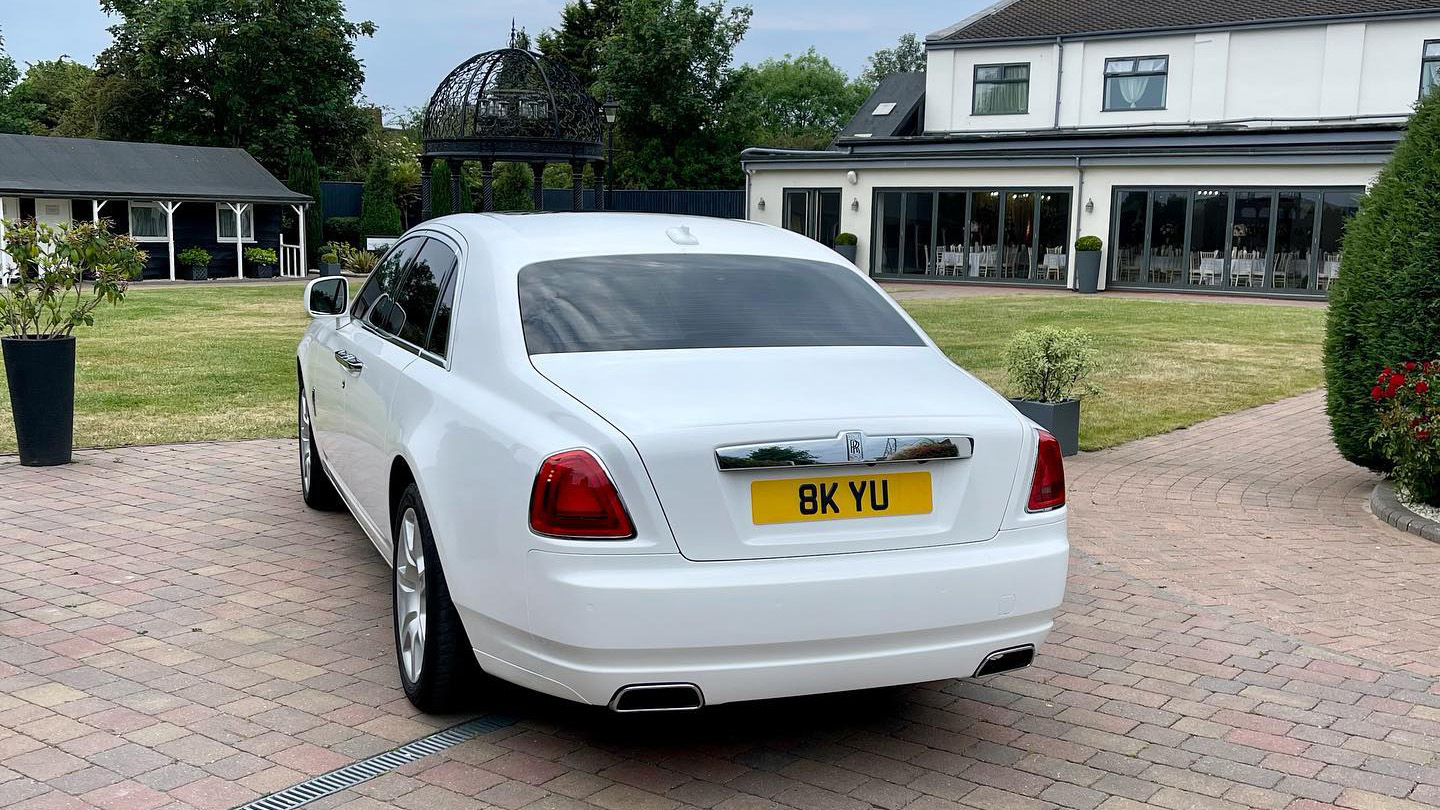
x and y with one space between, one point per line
178 364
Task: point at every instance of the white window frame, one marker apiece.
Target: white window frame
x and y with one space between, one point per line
165 221
222 211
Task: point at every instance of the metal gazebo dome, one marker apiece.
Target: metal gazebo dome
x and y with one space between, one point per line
513 105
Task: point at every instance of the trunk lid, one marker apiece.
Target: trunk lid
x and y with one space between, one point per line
679 406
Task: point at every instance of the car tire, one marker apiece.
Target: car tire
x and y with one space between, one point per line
437 664
315 484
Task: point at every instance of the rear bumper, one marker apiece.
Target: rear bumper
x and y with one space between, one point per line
771 628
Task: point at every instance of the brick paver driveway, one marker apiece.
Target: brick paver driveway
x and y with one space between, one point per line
176 630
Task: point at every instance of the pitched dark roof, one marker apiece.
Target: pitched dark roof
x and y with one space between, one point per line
906 91
79 167
1025 19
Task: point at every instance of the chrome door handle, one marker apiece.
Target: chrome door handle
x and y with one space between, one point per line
349 361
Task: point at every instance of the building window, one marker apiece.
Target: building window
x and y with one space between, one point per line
225 224
1136 83
813 212
148 222
1274 239
1429 66
1002 89
980 235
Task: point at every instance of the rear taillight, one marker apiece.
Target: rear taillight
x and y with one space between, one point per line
573 497
1047 486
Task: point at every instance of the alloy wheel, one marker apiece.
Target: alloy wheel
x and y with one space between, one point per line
410 595
305 446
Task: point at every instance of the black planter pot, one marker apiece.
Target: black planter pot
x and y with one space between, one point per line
262 270
1087 271
848 251
41 375
200 273
1062 419
329 268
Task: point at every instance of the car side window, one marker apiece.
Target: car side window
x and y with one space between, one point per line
416 295
439 340
382 280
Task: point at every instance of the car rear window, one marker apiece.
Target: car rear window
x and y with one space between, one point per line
635 303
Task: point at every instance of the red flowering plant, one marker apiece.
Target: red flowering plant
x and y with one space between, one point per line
1409 434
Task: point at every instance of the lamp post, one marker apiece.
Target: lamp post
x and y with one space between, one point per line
611 108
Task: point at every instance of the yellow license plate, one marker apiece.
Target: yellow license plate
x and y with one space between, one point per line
852 496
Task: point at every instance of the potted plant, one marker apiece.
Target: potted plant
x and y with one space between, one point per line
40 310
1049 372
846 245
1087 264
262 261
330 259
196 261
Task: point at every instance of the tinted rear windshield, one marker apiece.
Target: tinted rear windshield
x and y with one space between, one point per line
634 303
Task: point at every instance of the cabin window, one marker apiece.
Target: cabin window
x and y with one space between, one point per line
225 223
1136 83
148 222
1430 67
1002 89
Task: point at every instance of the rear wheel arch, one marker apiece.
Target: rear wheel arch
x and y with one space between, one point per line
401 477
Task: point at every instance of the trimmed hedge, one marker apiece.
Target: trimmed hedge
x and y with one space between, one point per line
1385 305
344 229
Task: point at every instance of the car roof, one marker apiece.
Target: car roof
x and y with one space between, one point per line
516 240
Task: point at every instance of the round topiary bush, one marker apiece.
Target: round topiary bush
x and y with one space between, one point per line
1385 305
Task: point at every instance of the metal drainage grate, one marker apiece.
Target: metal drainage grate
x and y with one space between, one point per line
367 769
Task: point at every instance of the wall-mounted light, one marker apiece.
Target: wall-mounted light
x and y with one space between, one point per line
855 204
852 178
761 204
1090 206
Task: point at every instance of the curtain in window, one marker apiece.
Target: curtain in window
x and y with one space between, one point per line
1430 76
147 222
226 221
1010 97
1132 88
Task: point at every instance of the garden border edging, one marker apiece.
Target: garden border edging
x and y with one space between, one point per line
1386 505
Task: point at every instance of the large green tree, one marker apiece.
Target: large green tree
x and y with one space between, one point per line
669 64
908 56
47 92
304 177
584 25
798 102
264 75
1385 304
11 119
379 216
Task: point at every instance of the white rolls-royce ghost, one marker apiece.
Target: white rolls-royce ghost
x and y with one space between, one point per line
654 462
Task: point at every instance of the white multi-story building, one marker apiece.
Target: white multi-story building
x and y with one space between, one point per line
1214 145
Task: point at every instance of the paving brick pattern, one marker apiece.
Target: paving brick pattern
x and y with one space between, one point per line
177 631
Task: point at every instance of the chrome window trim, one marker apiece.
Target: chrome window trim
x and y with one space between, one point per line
849 448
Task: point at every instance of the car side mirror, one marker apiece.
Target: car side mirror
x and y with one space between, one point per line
327 296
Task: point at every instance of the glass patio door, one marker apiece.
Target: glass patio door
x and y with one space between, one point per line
813 212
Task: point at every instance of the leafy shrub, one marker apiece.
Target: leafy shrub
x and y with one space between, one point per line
361 261
259 255
336 252
1409 432
1050 364
48 299
1088 243
343 229
194 257
846 239
1385 304
379 216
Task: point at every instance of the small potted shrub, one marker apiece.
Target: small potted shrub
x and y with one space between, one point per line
1087 264
1049 371
846 245
1409 432
39 312
262 261
196 261
330 259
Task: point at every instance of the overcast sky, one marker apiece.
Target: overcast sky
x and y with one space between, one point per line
420 40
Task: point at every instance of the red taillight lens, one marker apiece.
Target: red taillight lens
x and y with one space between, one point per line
573 497
1047 487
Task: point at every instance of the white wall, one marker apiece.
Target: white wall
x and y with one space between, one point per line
1099 186
1302 71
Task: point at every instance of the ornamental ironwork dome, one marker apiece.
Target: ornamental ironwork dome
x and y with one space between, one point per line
515 105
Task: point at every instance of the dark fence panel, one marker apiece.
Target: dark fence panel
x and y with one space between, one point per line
724 203
341 199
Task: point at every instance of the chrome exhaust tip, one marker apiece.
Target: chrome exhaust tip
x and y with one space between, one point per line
1006 660
657 697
